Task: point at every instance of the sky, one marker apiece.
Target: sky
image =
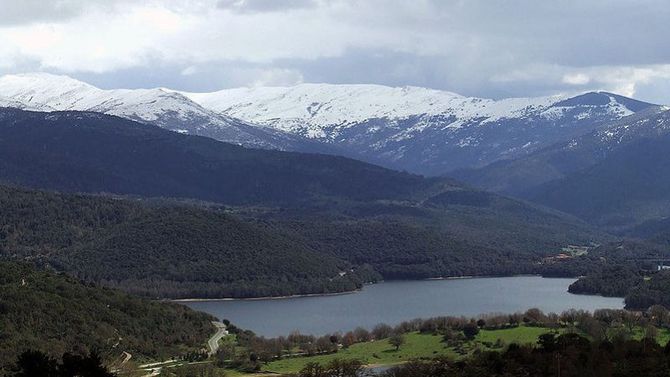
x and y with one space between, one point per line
484 48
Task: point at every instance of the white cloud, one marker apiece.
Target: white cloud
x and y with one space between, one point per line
576 79
516 47
277 77
189 71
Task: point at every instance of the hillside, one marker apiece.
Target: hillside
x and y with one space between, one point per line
517 176
630 186
57 314
615 176
91 152
157 251
272 223
166 249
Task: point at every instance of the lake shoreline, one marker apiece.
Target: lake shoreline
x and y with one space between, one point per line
393 302
179 300
464 277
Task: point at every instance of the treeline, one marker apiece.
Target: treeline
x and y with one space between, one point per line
57 314
251 351
627 269
38 364
640 290
610 281
566 355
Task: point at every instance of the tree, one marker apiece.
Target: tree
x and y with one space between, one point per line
336 368
547 342
651 332
36 363
397 340
382 331
658 314
470 331
361 334
348 339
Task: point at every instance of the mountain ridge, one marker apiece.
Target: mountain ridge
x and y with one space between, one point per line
417 129
420 130
157 106
618 166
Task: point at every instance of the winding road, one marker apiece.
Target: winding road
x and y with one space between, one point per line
213 342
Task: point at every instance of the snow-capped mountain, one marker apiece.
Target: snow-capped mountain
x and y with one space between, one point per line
164 108
563 159
617 176
649 124
16 104
418 129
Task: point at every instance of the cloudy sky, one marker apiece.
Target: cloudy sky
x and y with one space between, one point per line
492 48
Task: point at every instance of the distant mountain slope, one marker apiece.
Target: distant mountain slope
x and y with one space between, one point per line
630 186
57 314
161 251
617 175
417 129
159 107
321 204
75 151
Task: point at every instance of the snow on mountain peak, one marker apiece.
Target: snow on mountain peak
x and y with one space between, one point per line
158 106
328 104
423 130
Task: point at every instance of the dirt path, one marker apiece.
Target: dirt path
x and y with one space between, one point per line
213 342
126 357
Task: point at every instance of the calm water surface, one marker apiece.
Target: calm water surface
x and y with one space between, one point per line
394 302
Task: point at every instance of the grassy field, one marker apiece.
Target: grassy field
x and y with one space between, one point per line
377 352
422 346
662 337
416 346
520 335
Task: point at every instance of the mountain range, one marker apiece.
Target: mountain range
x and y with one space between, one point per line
161 107
419 130
598 158
238 219
615 176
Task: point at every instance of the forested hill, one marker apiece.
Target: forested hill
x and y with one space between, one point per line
161 251
91 152
56 314
280 223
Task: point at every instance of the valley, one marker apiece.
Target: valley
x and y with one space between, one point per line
125 206
349 188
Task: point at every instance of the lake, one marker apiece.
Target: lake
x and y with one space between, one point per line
395 301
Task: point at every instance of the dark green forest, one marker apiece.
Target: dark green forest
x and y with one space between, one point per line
627 269
57 314
178 250
229 221
157 251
